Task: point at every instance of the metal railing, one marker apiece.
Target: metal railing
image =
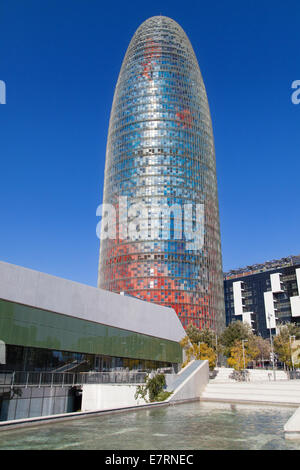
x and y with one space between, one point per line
67 379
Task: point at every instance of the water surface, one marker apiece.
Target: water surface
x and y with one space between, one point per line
195 425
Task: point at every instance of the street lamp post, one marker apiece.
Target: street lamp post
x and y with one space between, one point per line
272 350
243 342
292 359
199 344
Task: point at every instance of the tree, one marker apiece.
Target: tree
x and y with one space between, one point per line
236 359
236 331
241 356
290 329
261 346
206 353
193 333
206 336
199 351
283 350
283 345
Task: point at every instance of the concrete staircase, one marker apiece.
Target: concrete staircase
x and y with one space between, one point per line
255 375
260 389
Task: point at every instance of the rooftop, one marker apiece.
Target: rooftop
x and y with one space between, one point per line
292 260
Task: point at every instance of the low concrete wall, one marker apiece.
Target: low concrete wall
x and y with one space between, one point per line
193 385
170 378
104 396
292 427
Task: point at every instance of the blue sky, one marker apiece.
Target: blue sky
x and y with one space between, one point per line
60 60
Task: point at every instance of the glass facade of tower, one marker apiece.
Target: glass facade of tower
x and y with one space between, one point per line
160 153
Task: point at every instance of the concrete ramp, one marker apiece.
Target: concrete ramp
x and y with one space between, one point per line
190 382
292 427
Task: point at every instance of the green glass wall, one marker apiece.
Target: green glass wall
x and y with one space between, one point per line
27 326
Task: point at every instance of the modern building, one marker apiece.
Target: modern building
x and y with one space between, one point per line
264 295
53 331
161 173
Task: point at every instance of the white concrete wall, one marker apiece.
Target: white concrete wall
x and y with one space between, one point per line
292 427
237 298
276 285
270 309
295 306
298 279
247 318
104 397
295 301
193 386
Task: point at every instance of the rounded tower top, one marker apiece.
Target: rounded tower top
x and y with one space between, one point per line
165 30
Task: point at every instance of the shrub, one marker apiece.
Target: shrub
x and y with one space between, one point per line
154 388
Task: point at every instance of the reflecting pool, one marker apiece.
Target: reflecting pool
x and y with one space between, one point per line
189 426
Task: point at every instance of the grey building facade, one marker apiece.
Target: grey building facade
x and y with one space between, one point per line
56 334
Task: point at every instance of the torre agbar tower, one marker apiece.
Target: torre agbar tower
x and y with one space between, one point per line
160 153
